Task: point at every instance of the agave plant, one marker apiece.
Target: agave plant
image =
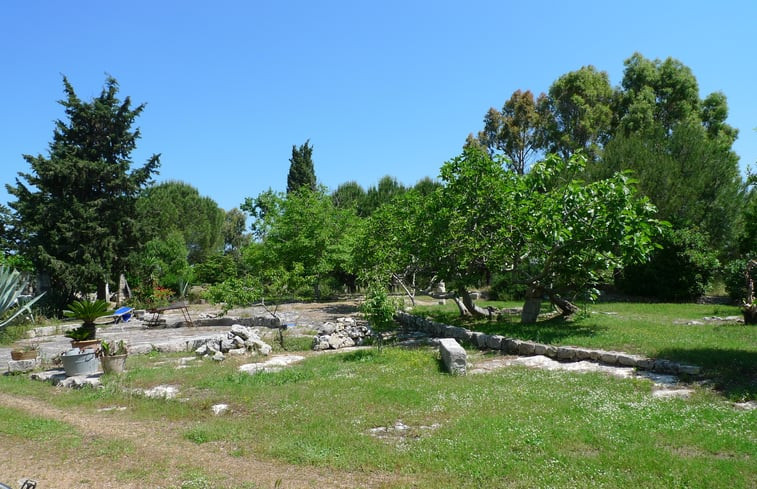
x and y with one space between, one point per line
87 312
12 284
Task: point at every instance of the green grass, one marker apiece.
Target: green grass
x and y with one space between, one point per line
514 427
727 351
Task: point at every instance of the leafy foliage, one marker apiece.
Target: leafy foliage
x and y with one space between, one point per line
177 207
546 229
87 312
74 214
301 170
236 292
379 309
681 269
303 232
517 131
12 285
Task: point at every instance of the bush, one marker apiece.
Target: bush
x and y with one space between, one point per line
236 292
735 282
378 309
681 270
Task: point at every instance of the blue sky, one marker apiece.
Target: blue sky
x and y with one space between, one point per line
390 87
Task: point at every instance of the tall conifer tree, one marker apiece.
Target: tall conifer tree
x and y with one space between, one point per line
301 171
74 214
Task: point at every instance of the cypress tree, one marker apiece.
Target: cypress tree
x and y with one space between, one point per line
301 171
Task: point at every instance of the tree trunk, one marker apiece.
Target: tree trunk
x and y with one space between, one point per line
531 307
102 291
461 307
566 307
750 314
471 306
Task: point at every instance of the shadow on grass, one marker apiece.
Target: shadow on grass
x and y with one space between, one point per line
343 309
551 331
360 355
733 371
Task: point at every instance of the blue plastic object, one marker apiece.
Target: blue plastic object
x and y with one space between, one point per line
123 314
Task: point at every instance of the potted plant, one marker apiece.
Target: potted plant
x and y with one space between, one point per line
113 356
87 312
27 352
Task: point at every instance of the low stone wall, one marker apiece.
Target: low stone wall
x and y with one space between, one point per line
526 348
263 321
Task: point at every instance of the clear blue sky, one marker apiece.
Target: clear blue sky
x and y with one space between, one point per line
385 87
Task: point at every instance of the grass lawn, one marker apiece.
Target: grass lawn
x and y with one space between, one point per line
394 412
727 351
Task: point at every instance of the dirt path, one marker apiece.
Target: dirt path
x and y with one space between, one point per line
155 444
157 454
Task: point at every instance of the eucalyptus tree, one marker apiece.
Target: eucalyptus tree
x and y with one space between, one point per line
517 130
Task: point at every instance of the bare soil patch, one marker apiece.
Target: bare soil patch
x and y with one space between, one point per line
155 453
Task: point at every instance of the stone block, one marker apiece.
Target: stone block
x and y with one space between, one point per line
241 331
689 369
664 366
453 355
495 342
482 340
595 355
566 353
18 366
645 364
526 348
511 345
551 351
540 349
582 354
608 358
627 360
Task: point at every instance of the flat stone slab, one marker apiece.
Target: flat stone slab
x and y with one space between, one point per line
272 365
58 377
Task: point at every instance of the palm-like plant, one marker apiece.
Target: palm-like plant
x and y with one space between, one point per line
87 312
12 284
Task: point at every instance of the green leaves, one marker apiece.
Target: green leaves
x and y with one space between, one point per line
12 286
75 209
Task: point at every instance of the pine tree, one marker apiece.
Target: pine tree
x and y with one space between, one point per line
74 214
301 171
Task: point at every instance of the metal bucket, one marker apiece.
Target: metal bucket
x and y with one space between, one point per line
80 364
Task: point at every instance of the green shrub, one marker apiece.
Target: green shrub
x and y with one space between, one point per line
681 270
378 308
733 277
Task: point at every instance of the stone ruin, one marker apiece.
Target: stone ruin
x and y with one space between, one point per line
238 341
345 332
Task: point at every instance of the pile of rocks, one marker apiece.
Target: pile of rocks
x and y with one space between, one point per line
342 334
238 341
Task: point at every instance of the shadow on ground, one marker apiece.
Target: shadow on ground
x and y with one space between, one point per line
341 309
733 371
551 331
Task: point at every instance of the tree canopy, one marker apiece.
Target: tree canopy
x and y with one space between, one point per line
74 214
175 206
301 170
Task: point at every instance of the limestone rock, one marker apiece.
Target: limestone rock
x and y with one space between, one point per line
453 355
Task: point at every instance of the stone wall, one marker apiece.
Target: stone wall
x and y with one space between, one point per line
526 348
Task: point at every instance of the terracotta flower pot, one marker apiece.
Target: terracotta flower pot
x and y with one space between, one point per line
114 364
84 344
23 355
